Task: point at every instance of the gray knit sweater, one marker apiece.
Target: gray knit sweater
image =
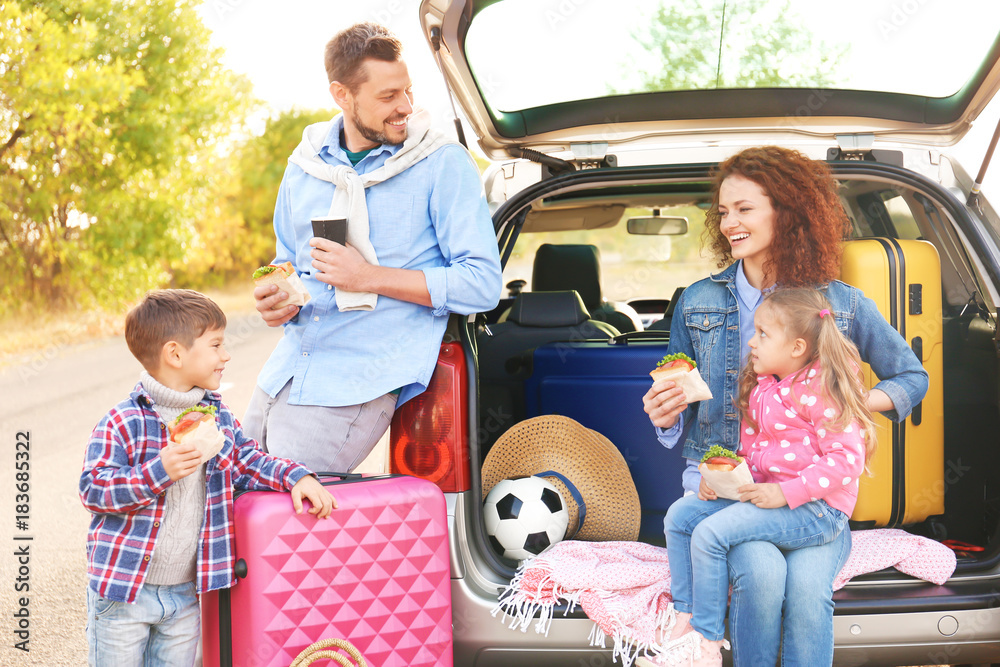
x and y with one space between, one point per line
175 556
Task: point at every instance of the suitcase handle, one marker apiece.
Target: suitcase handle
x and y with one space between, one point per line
341 475
328 478
651 334
317 651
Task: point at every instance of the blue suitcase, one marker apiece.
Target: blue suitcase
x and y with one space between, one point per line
601 386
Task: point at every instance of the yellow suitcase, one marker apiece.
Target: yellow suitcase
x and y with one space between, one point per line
903 278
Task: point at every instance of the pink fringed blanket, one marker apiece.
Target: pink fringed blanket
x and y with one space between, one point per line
874 550
624 587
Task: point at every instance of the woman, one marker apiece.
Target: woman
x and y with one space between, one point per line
775 219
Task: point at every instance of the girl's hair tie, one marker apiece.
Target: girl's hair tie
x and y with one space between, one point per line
823 313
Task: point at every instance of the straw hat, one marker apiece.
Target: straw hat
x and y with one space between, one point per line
587 465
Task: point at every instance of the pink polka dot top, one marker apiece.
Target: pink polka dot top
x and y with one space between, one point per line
793 446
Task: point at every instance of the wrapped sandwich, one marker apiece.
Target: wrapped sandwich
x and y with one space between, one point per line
684 372
724 472
284 276
197 426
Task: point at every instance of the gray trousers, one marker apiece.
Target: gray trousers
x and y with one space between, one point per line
323 439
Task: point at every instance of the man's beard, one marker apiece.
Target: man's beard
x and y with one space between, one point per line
371 134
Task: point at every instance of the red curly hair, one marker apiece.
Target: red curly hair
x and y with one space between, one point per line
809 221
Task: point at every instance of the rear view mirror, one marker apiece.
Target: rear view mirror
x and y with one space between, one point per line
658 225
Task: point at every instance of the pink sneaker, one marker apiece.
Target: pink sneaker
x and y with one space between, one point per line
677 623
682 626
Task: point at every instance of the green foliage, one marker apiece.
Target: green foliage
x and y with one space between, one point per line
762 45
109 112
262 163
233 235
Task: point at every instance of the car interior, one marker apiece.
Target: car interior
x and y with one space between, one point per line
577 267
561 343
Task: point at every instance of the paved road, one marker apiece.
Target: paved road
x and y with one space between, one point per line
58 397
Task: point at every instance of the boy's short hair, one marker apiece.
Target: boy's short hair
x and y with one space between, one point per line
346 52
180 315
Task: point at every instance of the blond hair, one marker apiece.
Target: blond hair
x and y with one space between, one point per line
805 313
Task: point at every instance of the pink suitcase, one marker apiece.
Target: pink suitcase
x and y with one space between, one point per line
375 573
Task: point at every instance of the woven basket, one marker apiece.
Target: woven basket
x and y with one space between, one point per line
320 651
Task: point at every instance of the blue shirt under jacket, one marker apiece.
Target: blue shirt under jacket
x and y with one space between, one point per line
432 217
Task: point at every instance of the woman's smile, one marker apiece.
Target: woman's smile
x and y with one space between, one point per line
747 221
736 238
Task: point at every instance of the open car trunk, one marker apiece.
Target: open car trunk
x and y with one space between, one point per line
600 382
623 114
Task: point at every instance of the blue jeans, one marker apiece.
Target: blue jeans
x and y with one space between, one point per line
784 598
161 629
700 534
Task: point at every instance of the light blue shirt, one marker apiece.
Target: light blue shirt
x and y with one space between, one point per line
749 298
433 218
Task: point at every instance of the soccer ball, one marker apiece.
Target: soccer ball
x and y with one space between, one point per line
524 516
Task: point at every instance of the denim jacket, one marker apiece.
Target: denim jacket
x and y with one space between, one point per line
710 335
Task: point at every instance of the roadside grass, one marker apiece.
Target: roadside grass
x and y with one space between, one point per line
34 332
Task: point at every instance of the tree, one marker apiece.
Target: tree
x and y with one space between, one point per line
108 112
234 234
762 44
262 165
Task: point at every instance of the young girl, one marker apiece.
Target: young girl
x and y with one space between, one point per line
806 434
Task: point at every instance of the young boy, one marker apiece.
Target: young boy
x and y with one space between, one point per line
163 519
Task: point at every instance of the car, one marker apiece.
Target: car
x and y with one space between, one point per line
621 164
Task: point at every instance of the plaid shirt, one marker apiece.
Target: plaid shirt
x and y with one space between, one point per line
124 486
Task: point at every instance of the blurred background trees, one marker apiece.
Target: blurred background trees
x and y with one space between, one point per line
233 234
759 44
125 159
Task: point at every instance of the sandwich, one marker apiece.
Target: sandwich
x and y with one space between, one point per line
724 472
720 458
673 366
683 370
197 426
284 276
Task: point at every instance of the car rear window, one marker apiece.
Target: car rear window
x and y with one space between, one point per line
531 53
632 266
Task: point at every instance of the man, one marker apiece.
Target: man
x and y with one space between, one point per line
420 245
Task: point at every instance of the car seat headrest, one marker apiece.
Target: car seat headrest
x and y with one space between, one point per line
675 298
548 309
568 267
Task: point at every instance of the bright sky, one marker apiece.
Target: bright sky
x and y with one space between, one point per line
279 46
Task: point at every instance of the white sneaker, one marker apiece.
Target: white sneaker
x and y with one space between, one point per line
689 650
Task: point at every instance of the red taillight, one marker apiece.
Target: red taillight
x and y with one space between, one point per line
428 437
